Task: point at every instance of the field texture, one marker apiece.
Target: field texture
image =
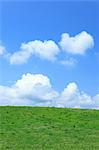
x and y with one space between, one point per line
35 128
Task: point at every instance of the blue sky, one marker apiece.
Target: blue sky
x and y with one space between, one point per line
25 21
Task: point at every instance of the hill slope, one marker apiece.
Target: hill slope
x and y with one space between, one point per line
35 128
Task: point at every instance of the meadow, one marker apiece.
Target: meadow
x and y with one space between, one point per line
43 128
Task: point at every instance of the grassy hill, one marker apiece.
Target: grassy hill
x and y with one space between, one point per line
35 128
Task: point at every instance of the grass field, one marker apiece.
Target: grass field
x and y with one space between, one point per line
35 128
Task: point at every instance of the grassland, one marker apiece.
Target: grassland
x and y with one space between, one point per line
35 128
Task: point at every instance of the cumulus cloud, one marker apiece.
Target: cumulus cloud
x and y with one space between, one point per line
96 101
2 49
49 49
31 89
71 96
36 90
45 50
77 44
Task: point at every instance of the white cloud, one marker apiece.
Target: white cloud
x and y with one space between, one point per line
96 101
36 90
31 89
77 44
69 62
71 96
2 49
45 50
49 50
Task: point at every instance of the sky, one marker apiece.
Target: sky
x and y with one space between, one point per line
49 53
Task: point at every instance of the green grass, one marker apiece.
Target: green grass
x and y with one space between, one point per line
35 128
